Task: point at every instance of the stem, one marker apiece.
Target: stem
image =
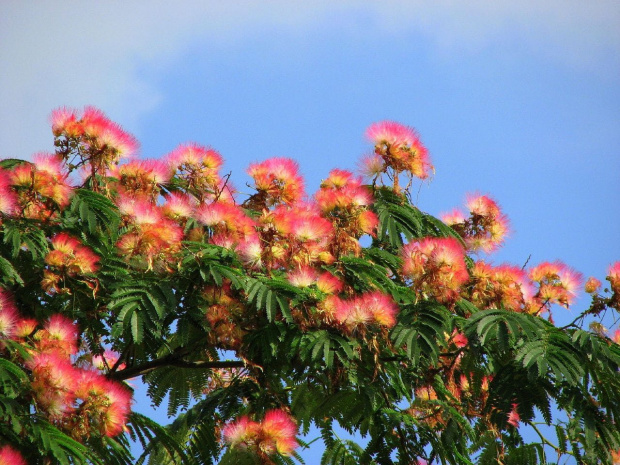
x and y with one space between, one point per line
172 360
547 442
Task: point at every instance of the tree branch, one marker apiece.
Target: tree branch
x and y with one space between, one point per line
172 360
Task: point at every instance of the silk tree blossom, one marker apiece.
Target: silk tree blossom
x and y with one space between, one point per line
345 201
41 187
179 206
372 308
486 227
306 276
557 283
59 336
198 167
103 142
303 276
436 267
241 433
399 149
592 285
275 433
107 360
9 456
106 134
70 256
278 430
613 276
24 327
227 220
54 380
141 177
103 405
152 240
8 314
329 284
295 235
513 416
503 286
8 198
277 180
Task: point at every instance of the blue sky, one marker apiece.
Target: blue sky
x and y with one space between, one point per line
520 100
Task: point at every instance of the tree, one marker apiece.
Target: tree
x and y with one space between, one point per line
350 309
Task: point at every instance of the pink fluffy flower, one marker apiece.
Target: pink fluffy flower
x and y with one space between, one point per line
107 133
436 267
329 283
302 277
367 309
53 383
400 148
513 417
592 285
279 428
613 276
8 314
240 432
71 256
557 282
59 336
178 206
65 120
278 179
107 403
8 198
107 360
9 456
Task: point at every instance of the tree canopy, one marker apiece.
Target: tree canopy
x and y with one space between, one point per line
258 319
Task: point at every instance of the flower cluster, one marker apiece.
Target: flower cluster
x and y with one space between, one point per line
557 284
368 309
82 401
345 202
277 181
152 240
9 456
613 276
504 286
197 169
275 434
68 258
141 178
36 190
90 137
486 227
223 311
398 149
436 267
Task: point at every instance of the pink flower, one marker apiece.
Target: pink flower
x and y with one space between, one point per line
613 276
8 198
59 336
278 427
9 456
592 285
240 432
436 267
279 179
302 277
557 282
513 417
8 314
400 148
369 308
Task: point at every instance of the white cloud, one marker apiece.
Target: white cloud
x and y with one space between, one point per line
75 53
